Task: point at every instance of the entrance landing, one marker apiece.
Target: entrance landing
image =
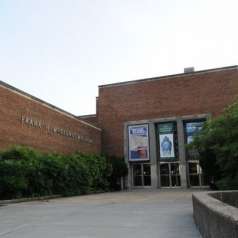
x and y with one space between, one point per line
137 214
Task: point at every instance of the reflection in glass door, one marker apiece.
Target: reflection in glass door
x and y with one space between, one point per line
137 175
141 174
194 174
169 174
175 176
146 175
196 177
165 175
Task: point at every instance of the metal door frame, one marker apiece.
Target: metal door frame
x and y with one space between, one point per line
199 174
170 174
142 175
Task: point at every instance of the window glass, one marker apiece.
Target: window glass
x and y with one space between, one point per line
191 129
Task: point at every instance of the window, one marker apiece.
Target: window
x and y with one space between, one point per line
191 129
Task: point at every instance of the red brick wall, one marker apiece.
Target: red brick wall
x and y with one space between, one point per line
70 134
179 95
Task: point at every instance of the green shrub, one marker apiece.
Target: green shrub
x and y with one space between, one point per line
97 169
118 170
26 172
217 145
12 180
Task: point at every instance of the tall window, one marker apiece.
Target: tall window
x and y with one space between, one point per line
191 129
195 174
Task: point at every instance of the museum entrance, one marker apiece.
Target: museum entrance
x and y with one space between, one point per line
169 174
141 175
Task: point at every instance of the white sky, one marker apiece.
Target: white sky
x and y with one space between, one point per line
61 50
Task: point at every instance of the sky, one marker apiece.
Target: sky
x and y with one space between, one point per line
61 50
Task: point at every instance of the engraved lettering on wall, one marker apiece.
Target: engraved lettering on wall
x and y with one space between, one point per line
36 123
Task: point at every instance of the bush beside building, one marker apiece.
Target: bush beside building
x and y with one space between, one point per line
26 173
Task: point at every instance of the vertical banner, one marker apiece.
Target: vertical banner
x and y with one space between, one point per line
138 136
166 140
167 146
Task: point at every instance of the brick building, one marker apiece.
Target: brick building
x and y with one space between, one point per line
27 120
148 122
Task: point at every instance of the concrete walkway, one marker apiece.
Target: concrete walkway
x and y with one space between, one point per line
142 213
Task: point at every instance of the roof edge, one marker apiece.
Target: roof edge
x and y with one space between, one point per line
87 116
44 103
169 76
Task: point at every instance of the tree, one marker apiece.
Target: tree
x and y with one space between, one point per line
217 146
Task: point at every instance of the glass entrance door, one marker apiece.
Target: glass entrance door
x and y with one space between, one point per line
196 177
146 175
194 174
141 174
169 175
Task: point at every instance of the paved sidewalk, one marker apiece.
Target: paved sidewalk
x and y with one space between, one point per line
139 214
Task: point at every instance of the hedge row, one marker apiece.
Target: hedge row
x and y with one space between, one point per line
25 172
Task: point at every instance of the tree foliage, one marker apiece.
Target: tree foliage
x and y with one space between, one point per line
118 170
217 146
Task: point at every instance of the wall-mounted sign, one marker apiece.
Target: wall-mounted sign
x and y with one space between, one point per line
52 130
138 136
166 140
